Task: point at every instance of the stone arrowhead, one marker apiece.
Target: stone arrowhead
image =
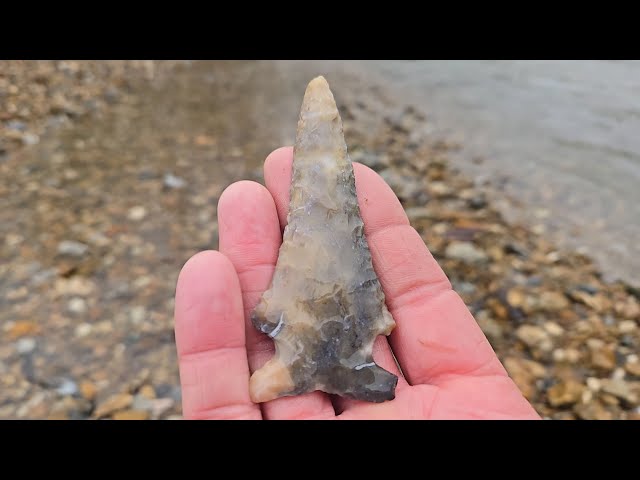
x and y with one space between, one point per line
325 306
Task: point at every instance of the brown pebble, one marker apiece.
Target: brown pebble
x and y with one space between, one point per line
116 402
565 393
148 391
22 328
88 390
131 415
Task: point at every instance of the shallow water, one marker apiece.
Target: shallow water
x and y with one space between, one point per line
559 140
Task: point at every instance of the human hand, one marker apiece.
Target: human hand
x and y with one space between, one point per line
450 370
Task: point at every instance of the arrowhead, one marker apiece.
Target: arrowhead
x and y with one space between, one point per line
325 306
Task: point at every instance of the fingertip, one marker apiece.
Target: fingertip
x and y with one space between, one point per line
278 158
247 217
208 303
210 340
234 195
200 264
277 177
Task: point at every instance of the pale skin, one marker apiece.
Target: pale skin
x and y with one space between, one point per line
449 370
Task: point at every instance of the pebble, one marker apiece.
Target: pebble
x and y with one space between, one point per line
137 314
572 355
405 187
34 407
171 181
131 415
137 213
565 393
22 328
477 201
88 390
587 396
141 282
490 327
524 373
43 276
630 308
72 248
597 302
119 401
30 138
627 326
139 379
618 374
593 410
559 355
69 408
439 189
553 329
67 387
532 336
148 391
515 297
83 330
160 406
77 305
465 288
465 252
603 358
98 239
594 384
140 402
13 239
553 301
25 345
418 213
17 293
632 365
16 125
75 285
620 389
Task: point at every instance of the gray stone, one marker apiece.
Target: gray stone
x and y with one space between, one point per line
171 181
67 387
465 252
77 305
72 248
25 345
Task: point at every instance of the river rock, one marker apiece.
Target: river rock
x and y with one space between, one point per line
565 393
534 336
465 252
114 403
621 389
131 415
592 411
72 248
524 373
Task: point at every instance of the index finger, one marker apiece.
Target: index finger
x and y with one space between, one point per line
436 336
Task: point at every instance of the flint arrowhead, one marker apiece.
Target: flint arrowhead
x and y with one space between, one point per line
325 306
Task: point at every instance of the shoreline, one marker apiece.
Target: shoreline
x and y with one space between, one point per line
567 338
555 143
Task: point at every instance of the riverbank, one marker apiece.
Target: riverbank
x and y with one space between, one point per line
100 211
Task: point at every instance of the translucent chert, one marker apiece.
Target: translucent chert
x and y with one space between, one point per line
325 306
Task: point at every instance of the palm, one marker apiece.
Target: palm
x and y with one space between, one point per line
449 370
